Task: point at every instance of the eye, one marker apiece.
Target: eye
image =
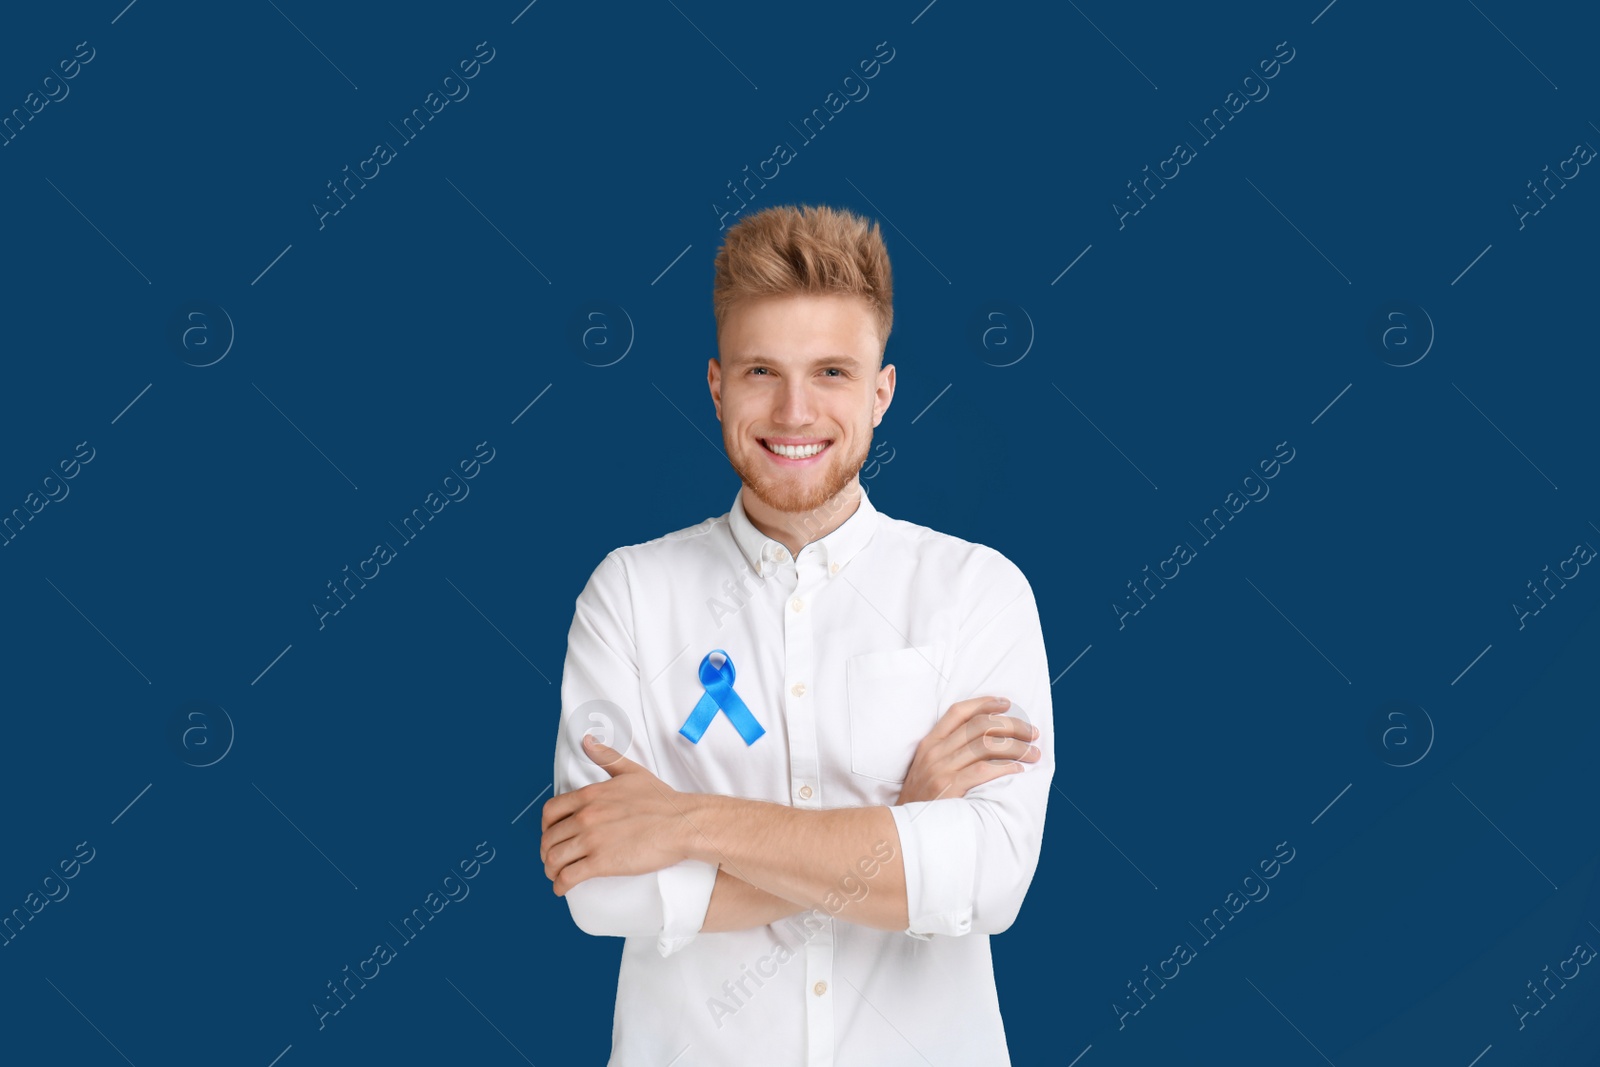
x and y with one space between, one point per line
835 370
758 370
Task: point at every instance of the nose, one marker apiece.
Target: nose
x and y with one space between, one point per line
796 405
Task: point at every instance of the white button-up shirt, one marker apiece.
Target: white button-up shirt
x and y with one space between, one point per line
847 655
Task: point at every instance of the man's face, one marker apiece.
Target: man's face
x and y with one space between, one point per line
799 372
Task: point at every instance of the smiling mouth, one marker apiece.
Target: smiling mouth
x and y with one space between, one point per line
796 452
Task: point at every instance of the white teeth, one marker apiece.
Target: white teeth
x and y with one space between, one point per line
796 451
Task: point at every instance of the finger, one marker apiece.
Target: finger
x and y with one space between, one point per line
559 807
571 875
613 761
563 855
980 726
564 830
962 711
988 747
994 747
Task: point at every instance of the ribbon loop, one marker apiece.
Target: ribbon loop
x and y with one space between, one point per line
717 680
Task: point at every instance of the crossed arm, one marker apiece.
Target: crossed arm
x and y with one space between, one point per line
953 855
772 860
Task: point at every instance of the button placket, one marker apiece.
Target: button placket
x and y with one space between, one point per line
799 664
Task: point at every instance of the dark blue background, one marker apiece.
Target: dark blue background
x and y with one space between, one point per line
1177 352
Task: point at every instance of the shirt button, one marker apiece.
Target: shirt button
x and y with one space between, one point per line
797 603
805 792
820 988
780 553
799 689
833 568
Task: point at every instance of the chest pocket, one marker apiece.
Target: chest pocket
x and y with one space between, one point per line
893 698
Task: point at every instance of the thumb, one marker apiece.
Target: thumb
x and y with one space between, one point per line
614 762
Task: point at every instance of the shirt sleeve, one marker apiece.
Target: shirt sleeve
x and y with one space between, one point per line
600 693
969 860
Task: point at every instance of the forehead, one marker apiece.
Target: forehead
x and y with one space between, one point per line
799 326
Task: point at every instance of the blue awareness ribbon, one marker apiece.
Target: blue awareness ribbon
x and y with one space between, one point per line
718 684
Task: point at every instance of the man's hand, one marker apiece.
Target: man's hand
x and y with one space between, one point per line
625 825
970 744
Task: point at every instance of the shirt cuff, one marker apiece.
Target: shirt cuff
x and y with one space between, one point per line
685 895
938 850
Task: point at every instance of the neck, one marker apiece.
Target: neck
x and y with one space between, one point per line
796 529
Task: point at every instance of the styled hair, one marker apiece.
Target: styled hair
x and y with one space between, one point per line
808 249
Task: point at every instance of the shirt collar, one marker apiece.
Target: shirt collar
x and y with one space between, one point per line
834 551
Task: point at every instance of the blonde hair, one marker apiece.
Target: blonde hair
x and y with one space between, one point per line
808 249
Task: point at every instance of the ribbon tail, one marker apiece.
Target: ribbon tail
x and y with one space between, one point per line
739 714
694 727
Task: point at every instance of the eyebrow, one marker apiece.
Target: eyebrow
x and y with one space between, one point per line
821 361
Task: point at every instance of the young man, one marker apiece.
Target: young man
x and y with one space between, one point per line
815 812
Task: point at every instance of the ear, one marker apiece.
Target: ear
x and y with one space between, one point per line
714 382
885 393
